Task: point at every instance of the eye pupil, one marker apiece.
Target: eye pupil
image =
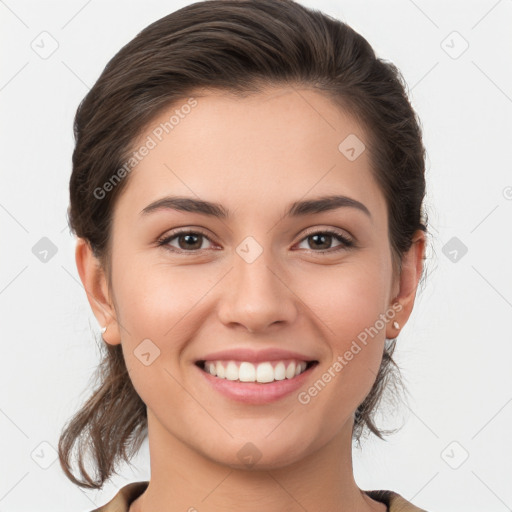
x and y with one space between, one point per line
323 237
187 244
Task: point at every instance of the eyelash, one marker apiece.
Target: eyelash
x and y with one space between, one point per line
346 243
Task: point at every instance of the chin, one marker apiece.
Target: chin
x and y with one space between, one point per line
259 454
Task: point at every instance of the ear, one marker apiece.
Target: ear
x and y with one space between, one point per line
412 267
95 284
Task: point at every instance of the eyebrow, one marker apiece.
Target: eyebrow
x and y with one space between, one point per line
297 209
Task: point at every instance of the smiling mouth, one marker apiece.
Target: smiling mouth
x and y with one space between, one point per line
264 372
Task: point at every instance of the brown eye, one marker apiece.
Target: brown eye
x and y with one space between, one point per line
191 241
187 241
321 241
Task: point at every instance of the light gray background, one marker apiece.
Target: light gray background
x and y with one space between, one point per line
456 350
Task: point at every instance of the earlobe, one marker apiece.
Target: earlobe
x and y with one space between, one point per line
95 284
410 275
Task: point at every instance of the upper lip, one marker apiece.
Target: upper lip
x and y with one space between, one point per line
255 356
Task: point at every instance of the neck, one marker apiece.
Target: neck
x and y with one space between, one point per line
184 480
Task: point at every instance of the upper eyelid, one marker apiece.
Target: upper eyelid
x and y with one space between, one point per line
338 231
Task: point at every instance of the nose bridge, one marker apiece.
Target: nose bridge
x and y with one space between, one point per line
253 263
256 295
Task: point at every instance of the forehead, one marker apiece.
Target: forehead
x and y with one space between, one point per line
259 151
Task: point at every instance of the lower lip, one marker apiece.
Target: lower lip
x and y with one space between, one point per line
254 392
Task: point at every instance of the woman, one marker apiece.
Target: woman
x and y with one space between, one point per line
247 195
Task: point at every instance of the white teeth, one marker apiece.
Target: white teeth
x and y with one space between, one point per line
219 370
248 372
290 371
279 371
264 372
232 371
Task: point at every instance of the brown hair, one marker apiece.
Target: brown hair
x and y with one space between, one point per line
239 46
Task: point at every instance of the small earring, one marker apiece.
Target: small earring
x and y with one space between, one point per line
396 325
103 330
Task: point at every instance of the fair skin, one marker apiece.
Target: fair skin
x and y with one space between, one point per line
254 156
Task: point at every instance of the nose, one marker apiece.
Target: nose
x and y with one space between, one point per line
257 294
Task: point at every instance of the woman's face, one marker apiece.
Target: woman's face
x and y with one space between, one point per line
252 285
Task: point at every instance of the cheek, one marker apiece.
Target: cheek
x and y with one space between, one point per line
161 308
349 304
348 300
153 300
154 304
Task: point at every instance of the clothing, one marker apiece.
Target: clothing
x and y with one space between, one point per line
129 493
